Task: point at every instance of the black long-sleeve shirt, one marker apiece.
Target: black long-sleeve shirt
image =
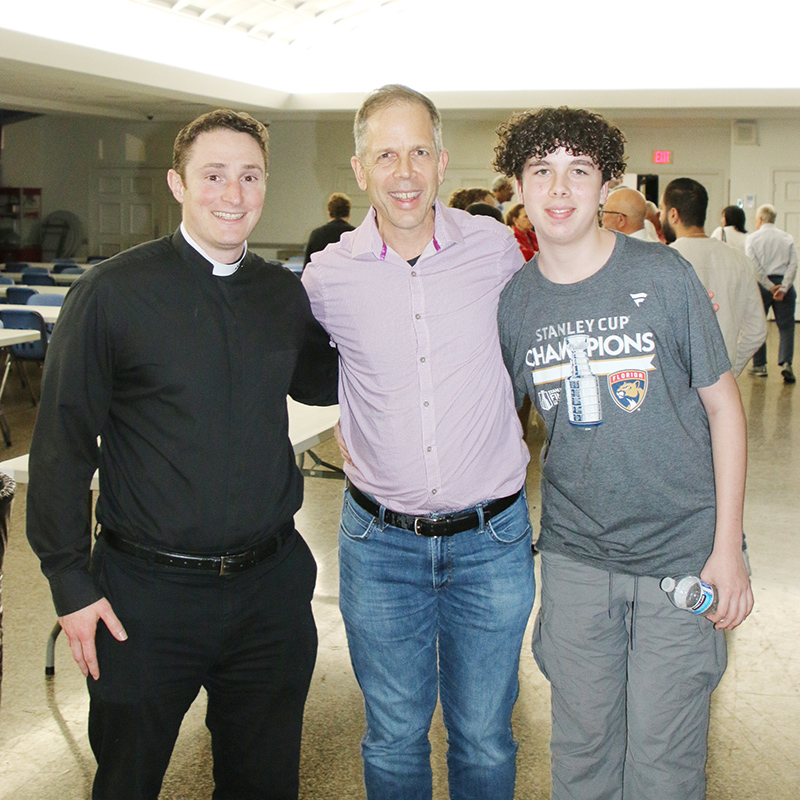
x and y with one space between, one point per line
184 376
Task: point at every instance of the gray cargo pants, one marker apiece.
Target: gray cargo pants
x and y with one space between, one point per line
631 679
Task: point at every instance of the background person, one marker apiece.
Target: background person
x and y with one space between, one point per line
339 211
462 198
503 191
653 220
522 228
774 253
485 210
626 211
723 270
732 230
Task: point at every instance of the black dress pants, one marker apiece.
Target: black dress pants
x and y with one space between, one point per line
249 639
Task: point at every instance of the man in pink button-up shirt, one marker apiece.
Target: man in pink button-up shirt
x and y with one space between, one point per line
435 546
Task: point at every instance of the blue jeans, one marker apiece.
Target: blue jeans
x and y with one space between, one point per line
437 617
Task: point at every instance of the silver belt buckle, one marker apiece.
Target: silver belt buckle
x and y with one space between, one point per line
223 570
417 520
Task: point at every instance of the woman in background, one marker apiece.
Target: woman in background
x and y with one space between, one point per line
732 229
522 228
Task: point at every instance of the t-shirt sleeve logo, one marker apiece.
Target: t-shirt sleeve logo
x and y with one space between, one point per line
628 388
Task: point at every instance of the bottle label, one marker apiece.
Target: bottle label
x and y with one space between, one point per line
705 600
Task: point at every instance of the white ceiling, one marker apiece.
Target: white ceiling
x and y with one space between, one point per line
287 22
171 59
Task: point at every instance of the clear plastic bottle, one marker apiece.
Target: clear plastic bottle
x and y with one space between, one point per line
691 594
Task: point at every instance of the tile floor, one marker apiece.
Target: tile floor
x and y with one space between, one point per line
755 735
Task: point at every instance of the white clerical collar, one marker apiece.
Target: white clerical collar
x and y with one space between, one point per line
220 269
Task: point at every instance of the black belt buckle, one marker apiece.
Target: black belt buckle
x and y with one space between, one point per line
236 562
226 565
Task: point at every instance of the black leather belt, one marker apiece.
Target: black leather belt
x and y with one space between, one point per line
223 565
442 525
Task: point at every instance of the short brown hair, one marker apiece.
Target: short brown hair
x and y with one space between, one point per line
534 134
461 198
238 121
339 205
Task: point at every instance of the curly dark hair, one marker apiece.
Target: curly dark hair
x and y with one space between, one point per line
534 134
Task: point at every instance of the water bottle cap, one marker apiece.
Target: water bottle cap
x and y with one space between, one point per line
668 584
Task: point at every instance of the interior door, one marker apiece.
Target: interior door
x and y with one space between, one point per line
129 206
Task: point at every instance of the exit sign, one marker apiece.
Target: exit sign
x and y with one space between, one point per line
661 156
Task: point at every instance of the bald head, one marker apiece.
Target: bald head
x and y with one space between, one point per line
624 211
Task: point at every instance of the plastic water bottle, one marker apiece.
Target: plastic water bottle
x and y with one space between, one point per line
691 594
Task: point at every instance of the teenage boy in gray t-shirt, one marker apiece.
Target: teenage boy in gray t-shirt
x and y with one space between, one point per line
643 473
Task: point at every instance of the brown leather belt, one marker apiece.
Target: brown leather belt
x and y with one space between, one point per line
441 525
224 564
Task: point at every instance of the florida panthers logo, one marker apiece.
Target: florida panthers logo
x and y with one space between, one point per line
628 388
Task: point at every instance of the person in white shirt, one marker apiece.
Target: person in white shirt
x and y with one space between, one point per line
723 270
732 230
625 211
775 257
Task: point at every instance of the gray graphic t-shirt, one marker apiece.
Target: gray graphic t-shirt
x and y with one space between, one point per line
613 364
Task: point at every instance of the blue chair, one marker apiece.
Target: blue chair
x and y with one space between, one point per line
27 351
18 295
17 266
46 300
71 271
60 264
4 281
35 279
29 270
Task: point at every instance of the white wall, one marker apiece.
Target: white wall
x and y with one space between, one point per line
60 154
753 166
700 149
309 159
